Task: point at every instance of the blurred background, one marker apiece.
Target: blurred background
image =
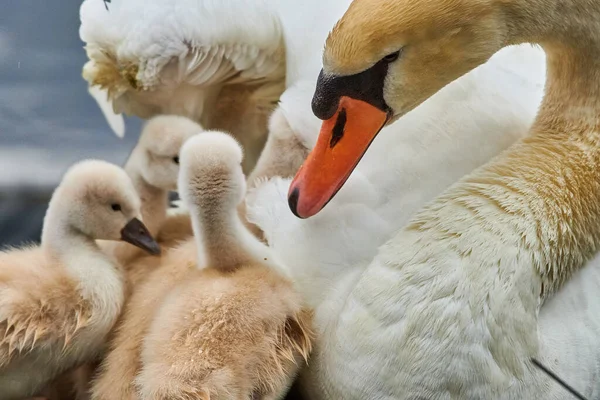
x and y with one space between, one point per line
47 119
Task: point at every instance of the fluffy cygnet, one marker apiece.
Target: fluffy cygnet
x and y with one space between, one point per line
236 328
223 274
282 155
153 166
58 301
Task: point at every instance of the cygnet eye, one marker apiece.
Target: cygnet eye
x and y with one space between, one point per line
176 160
115 207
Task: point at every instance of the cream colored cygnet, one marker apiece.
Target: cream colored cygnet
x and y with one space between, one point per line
236 328
219 318
59 300
153 166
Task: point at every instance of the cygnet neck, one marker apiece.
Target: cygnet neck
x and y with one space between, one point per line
223 240
65 243
59 239
155 201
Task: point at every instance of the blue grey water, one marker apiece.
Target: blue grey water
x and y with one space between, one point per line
47 118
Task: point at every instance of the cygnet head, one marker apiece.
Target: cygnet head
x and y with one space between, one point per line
158 149
98 199
211 177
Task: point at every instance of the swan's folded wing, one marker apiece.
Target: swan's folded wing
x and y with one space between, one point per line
162 56
38 308
115 121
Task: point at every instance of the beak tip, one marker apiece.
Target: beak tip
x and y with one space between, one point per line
150 246
154 249
293 197
349 128
137 234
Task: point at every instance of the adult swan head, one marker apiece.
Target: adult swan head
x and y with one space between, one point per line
385 57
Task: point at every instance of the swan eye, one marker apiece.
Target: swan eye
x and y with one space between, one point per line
176 160
115 207
391 57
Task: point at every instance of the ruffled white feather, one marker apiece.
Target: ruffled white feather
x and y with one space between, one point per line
161 55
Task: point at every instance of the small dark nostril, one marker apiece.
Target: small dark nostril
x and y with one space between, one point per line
338 130
293 201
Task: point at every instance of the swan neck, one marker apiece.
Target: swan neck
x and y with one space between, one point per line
568 31
572 94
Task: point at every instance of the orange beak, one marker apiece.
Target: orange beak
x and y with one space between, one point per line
343 140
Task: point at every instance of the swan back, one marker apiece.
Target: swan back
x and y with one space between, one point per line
173 32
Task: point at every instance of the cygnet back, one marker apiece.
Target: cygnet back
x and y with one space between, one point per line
236 328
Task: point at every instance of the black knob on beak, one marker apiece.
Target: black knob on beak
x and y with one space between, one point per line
326 98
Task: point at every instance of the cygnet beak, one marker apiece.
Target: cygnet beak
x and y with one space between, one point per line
136 233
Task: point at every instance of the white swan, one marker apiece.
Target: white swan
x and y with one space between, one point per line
400 172
450 306
223 64
411 162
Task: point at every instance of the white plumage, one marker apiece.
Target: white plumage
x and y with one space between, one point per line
185 52
224 64
409 164
178 47
461 127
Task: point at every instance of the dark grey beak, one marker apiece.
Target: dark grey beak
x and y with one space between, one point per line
136 233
